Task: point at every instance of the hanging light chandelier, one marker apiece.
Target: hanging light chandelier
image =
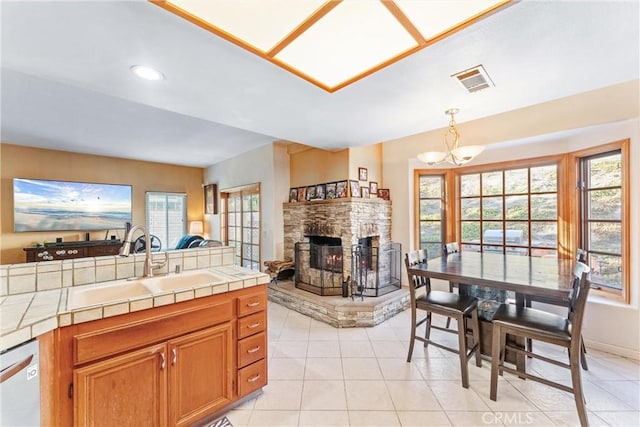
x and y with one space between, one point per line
455 154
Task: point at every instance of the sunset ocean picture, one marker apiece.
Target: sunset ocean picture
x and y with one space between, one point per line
42 205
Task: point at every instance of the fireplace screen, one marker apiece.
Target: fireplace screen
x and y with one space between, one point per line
319 265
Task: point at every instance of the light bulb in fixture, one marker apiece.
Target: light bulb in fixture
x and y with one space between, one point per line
146 73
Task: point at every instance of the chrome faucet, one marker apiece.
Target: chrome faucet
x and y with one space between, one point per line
149 266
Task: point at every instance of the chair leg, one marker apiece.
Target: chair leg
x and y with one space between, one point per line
462 345
476 337
496 350
427 330
576 380
449 318
413 334
583 355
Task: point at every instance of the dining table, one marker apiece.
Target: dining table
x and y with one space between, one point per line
548 277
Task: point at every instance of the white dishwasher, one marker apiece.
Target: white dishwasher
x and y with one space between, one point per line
20 386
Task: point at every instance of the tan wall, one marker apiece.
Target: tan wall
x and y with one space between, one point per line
314 166
370 158
25 162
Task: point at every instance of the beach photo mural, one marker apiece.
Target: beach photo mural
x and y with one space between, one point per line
43 205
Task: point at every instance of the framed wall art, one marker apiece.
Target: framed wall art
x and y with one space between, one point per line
363 174
210 199
373 187
332 188
364 192
293 195
302 194
383 193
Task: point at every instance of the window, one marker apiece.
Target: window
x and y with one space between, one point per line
510 210
241 225
167 217
602 211
431 214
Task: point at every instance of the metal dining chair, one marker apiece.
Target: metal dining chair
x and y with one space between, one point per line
531 323
581 256
460 307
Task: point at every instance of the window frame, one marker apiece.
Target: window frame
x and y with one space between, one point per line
445 236
576 158
165 194
569 223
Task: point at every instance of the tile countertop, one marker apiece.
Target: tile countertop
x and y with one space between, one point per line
25 316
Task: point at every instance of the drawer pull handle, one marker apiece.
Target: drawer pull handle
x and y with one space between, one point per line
253 304
175 356
253 350
163 361
255 325
254 379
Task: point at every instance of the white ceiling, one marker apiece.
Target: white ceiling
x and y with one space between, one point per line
66 83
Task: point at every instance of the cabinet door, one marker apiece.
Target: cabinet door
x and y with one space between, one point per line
200 374
128 390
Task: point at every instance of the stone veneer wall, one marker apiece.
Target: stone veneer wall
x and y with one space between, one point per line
349 219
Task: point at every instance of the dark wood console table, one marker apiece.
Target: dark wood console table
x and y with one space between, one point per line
69 250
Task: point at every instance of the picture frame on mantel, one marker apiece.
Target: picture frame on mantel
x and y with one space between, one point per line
383 193
210 199
355 188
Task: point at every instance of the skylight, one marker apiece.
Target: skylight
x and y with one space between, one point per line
337 42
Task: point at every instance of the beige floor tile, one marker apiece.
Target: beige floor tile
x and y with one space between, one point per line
373 419
361 369
519 419
274 418
368 396
453 397
381 333
570 418
324 395
280 395
619 418
356 349
423 418
324 419
509 398
412 396
441 369
323 334
626 391
388 348
239 418
323 349
323 369
399 369
473 418
290 348
353 334
286 368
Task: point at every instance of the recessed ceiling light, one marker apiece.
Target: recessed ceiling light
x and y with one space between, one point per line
146 73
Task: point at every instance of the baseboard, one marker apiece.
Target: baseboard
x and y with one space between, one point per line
618 351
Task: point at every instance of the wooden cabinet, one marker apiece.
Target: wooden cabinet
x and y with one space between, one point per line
252 343
200 371
70 250
173 365
126 390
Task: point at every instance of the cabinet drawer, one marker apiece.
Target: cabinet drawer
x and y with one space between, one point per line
252 378
252 349
252 304
252 324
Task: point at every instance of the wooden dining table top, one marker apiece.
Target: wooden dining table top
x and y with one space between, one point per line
540 276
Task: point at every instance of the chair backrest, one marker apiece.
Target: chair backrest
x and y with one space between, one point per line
578 297
413 259
581 256
450 248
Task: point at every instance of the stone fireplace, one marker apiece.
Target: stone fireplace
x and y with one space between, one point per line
323 236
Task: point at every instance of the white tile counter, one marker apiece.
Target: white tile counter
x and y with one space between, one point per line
35 295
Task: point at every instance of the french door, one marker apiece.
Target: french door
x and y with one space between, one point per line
241 224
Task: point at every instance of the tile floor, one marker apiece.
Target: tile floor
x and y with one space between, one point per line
323 376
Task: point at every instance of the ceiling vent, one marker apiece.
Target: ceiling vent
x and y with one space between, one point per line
474 79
